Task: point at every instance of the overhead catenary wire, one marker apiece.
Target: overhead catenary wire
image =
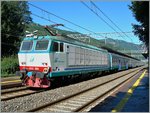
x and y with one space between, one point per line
56 23
110 20
116 33
105 21
129 32
75 23
68 21
52 21
99 16
64 19
46 20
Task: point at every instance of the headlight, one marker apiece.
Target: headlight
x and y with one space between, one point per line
46 70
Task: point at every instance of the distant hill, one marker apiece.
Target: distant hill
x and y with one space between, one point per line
117 45
122 45
42 31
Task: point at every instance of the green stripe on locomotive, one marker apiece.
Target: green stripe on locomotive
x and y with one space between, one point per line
73 72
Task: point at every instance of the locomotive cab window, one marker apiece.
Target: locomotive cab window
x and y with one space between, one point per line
42 45
26 45
58 47
61 47
55 46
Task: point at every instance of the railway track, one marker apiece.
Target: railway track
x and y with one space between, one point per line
9 90
10 82
79 101
6 86
17 92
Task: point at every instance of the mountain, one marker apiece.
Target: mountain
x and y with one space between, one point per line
121 45
42 31
118 45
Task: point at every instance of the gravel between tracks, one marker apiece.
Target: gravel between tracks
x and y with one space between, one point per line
28 102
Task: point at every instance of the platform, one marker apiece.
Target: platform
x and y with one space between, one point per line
119 101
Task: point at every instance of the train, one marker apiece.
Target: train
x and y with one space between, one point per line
44 58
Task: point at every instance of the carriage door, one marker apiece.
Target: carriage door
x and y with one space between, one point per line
59 56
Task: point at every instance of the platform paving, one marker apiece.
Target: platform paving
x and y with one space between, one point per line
138 101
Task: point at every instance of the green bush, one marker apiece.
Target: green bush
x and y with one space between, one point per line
9 65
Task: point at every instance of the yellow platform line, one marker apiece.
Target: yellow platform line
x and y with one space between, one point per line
10 81
121 104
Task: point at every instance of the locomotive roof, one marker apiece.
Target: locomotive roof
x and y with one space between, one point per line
65 39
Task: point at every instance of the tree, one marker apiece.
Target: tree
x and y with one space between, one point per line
15 15
140 11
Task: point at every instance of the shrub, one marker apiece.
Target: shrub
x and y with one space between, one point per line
9 65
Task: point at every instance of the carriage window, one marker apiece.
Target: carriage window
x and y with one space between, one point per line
42 45
61 47
55 46
27 45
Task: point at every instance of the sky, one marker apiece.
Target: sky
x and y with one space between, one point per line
76 12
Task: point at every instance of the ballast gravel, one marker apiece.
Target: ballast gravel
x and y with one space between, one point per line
26 103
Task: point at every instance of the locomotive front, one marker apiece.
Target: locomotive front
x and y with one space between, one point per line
34 62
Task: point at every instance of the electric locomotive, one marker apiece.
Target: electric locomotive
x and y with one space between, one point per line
43 58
